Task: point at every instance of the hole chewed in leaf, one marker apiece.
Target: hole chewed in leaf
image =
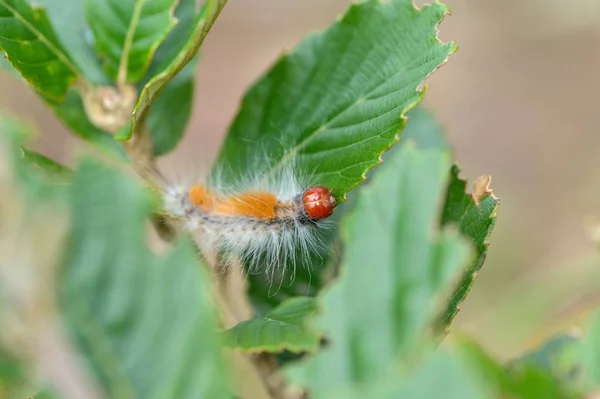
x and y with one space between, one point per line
481 188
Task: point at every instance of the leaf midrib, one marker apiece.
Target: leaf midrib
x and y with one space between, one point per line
41 37
294 151
128 43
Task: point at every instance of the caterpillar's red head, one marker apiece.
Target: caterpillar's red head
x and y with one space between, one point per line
318 202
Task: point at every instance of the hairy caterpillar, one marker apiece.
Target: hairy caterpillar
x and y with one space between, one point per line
268 223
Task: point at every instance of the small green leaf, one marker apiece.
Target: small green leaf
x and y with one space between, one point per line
394 267
72 113
476 221
127 33
48 166
172 62
144 323
334 104
72 30
281 329
13 134
31 47
268 292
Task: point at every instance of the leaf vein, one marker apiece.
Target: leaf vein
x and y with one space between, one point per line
41 37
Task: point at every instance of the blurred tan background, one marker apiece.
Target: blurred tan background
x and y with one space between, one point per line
520 100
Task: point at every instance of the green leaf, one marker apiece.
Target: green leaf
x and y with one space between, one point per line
60 70
31 47
13 135
524 382
394 267
68 19
423 128
476 221
143 322
589 355
173 106
14 381
4 64
308 280
441 374
172 110
553 357
186 14
334 104
44 395
7 67
49 167
172 62
281 329
457 371
127 33
268 292
31 234
72 113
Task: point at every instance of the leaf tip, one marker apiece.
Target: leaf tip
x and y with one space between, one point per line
453 47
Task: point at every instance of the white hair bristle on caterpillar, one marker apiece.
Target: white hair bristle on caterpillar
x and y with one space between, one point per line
267 222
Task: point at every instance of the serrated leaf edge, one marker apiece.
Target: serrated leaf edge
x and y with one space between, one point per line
469 278
422 92
279 347
403 117
276 348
